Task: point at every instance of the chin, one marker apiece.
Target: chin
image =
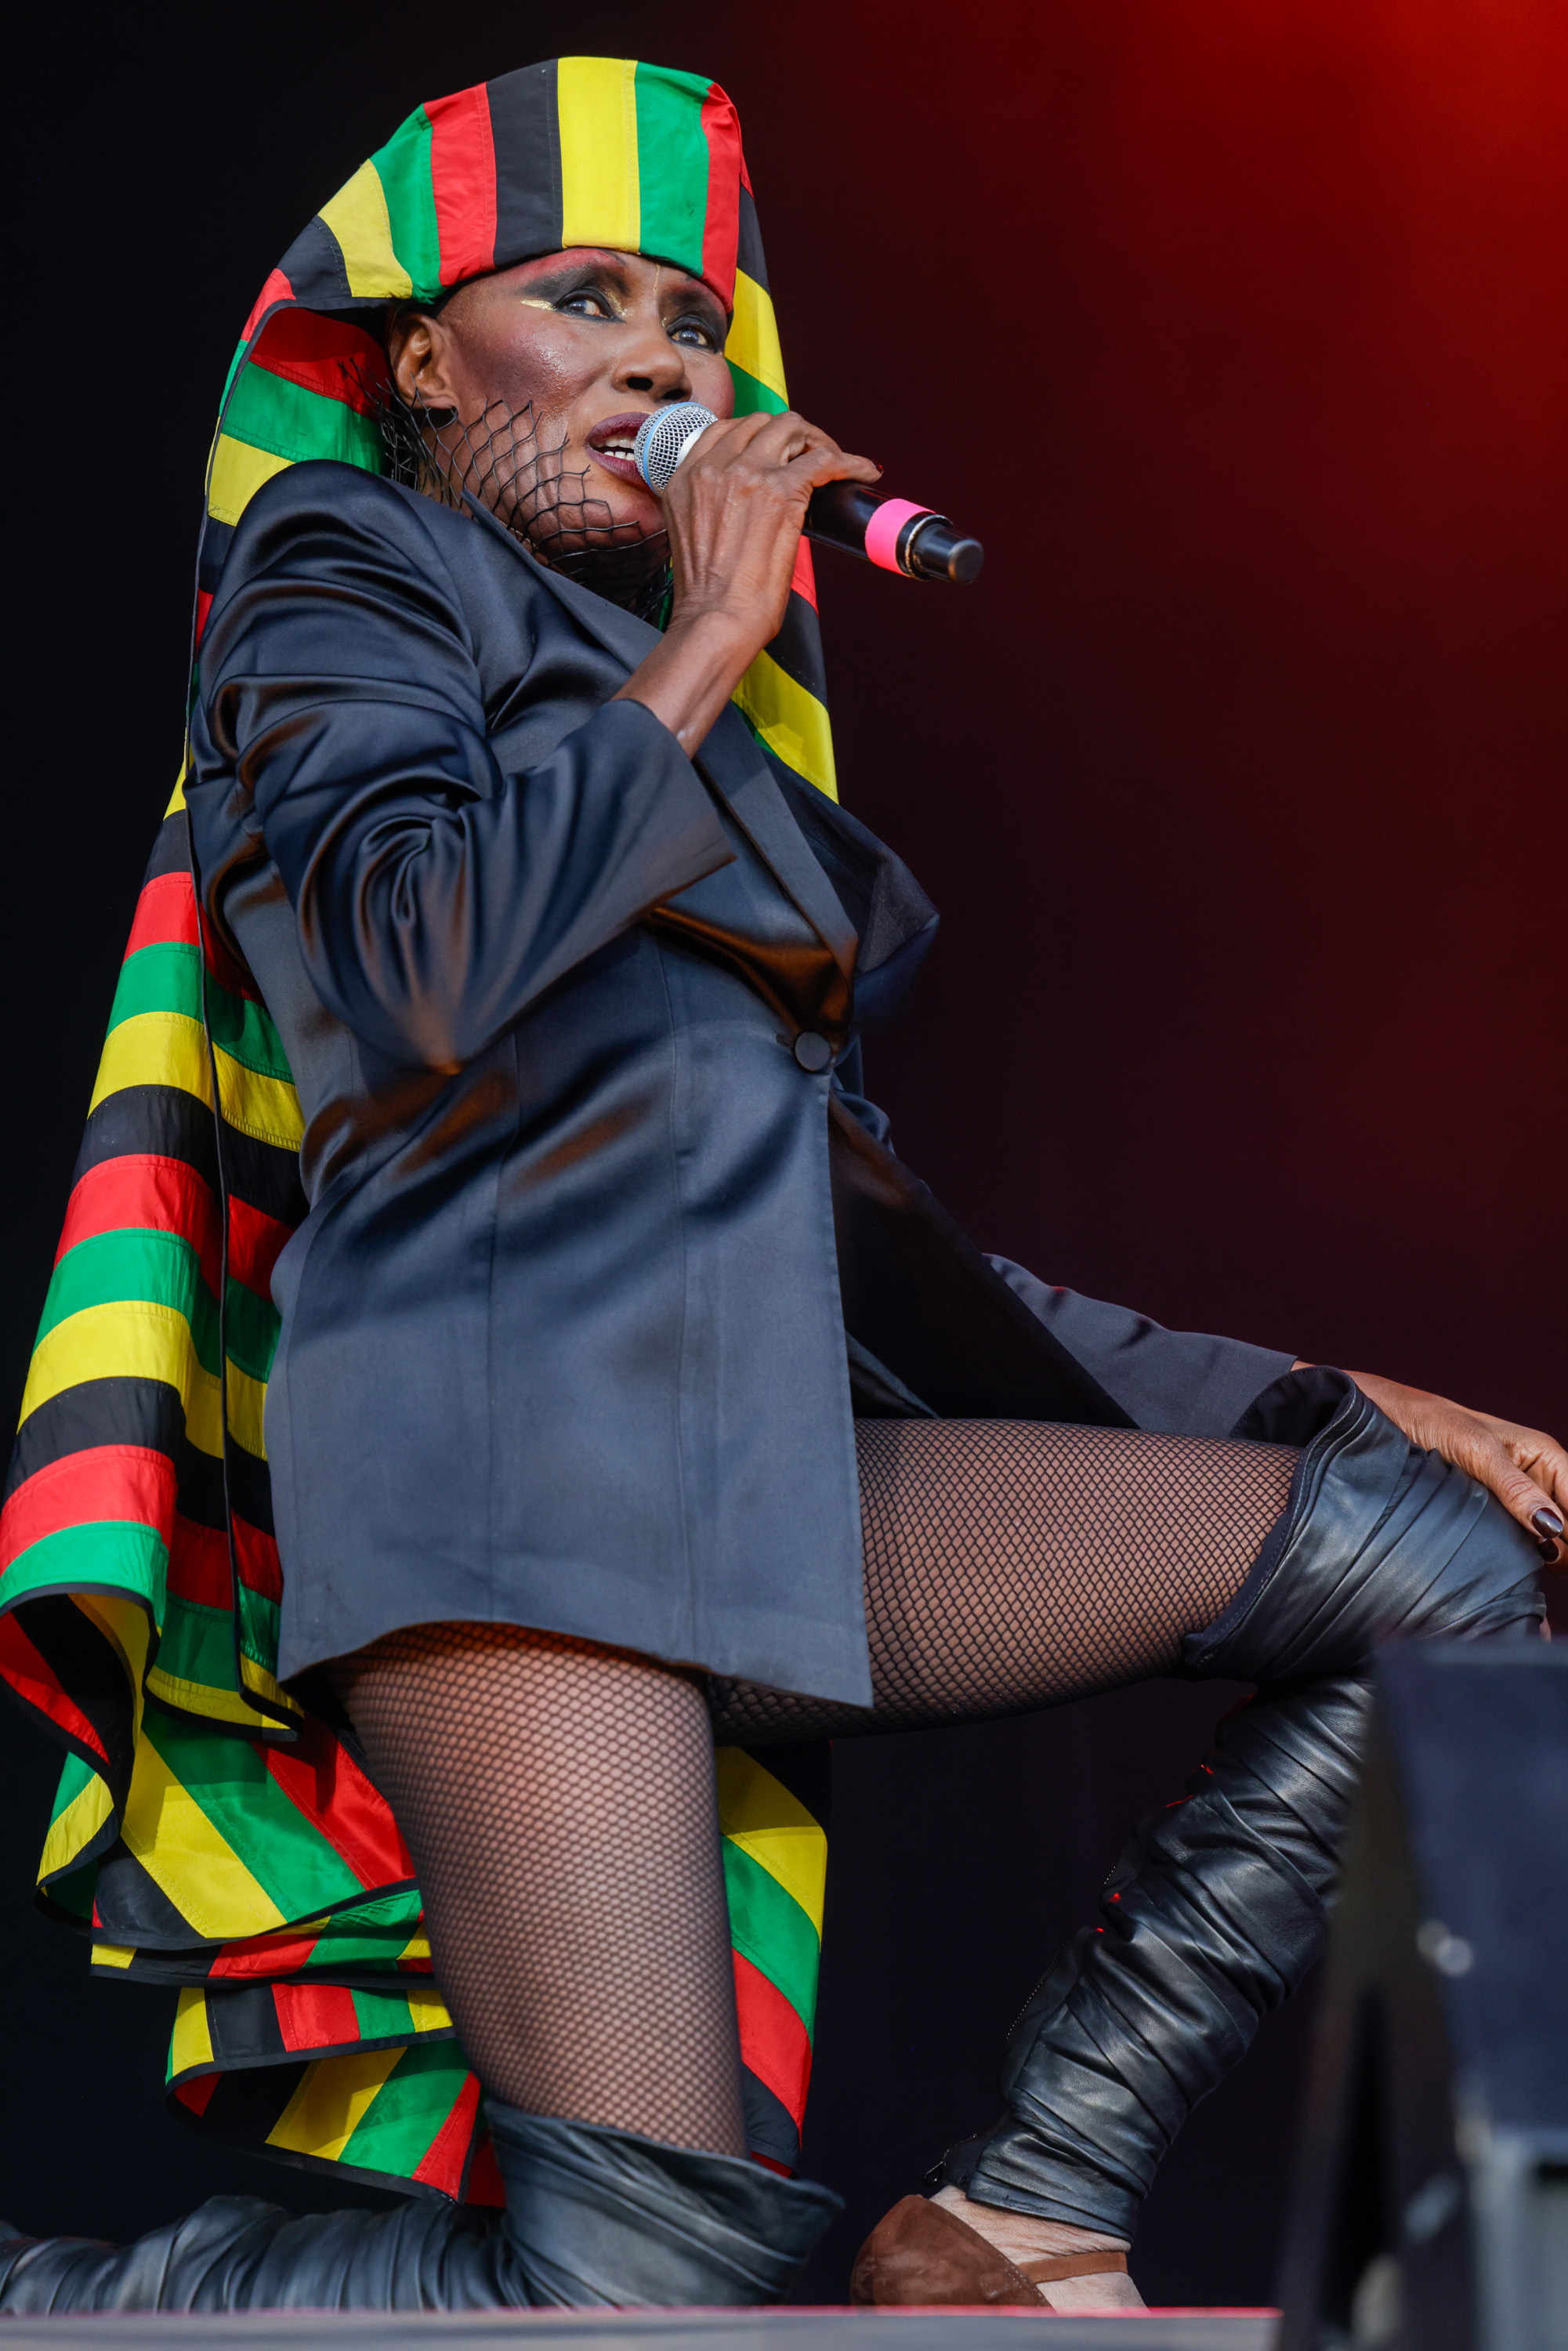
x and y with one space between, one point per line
626 505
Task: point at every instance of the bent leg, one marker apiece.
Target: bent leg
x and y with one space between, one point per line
1219 1906
1009 1566
559 1801
1015 1564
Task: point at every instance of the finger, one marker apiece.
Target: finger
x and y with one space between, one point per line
727 441
723 439
810 437
1522 1498
1543 1461
787 436
832 464
1548 1475
756 444
1547 1463
787 439
761 422
790 438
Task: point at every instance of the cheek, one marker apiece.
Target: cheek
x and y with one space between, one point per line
712 382
527 358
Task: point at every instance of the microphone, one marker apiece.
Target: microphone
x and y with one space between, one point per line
892 532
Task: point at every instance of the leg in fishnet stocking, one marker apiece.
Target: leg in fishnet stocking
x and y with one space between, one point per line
1016 1564
559 1798
559 1801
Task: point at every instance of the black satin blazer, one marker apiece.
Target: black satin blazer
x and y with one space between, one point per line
604 1245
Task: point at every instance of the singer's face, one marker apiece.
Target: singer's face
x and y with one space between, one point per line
592 341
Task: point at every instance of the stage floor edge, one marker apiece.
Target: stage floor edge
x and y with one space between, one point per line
659 2330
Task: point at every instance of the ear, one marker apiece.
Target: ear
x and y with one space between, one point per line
417 354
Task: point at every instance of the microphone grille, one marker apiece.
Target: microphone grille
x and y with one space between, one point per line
662 441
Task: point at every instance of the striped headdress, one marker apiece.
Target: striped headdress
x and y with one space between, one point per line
580 152
208 1833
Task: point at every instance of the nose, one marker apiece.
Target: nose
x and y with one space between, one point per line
650 364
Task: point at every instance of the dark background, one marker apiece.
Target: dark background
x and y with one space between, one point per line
1240 334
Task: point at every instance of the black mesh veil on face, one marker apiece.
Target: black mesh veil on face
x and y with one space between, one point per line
502 460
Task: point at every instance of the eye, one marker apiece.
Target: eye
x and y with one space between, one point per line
696 332
586 302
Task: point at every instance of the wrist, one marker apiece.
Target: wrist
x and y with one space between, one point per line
721 633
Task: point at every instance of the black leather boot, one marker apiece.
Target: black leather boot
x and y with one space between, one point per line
592 2216
601 2217
1219 1906
236 2252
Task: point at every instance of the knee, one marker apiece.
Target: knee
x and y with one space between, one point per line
1383 1542
1443 1562
1472 1574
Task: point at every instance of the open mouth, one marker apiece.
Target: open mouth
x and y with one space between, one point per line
613 441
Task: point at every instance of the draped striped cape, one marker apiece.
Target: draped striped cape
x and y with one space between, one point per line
208 1832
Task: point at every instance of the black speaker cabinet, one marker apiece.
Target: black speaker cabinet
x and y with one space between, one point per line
1431 2204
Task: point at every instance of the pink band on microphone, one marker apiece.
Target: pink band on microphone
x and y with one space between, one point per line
882 531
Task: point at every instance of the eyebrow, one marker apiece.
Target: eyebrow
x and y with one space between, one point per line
690 287
562 270
594 256
687 289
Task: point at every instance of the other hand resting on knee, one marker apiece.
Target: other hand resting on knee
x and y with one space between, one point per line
1525 1468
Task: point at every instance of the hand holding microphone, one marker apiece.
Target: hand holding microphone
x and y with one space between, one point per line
736 492
734 507
892 532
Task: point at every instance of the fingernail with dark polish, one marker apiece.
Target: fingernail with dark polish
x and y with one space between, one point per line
1547 1522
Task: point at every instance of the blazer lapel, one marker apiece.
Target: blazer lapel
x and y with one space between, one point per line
739 773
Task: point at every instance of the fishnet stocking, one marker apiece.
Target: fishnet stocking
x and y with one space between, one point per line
559 1801
499 460
1013 1565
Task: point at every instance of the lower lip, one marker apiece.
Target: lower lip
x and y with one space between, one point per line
625 468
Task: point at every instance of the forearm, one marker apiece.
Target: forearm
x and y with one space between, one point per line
690 674
433 912
1183 1382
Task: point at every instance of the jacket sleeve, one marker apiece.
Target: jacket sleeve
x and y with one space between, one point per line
342 720
1183 1382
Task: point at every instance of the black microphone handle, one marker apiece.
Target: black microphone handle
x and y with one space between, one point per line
913 539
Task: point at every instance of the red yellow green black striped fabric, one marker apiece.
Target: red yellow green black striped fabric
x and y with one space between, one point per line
208 1832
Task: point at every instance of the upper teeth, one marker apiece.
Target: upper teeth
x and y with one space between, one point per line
619 448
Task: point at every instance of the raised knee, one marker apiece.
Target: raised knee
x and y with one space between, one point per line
1491 1586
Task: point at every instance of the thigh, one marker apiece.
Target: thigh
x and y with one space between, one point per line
560 1804
1015 1564
472 1728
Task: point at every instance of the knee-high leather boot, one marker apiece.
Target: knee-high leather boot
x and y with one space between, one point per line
1219 1906
592 2216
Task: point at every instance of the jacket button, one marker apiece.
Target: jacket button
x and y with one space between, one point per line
813 1052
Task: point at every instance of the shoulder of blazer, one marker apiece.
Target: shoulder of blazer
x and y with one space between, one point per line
347 496
321 512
